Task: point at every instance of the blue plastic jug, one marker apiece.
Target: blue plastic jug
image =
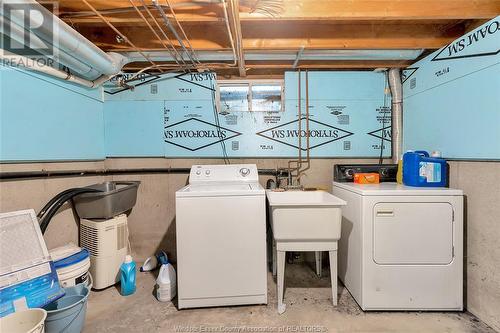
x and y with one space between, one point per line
127 276
419 169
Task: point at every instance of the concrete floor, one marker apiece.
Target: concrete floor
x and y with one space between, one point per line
309 309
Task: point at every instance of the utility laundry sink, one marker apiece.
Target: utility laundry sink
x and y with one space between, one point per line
304 221
305 215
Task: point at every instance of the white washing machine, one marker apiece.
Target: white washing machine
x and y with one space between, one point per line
221 237
402 247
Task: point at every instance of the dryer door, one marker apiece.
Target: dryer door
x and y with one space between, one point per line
412 233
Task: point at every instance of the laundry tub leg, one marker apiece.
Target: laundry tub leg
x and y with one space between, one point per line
274 257
333 275
281 280
319 262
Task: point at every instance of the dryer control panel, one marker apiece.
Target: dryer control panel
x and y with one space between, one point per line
344 173
223 173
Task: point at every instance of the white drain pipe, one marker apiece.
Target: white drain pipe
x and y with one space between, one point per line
41 67
396 113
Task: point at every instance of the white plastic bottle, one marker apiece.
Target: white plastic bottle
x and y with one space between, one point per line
167 283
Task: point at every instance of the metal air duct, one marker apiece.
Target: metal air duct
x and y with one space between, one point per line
396 113
70 48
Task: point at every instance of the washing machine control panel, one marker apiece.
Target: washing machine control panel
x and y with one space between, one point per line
224 173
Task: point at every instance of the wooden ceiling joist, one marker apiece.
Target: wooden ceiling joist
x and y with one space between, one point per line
308 24
352 10
289 36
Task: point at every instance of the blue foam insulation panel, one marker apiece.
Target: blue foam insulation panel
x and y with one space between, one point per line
45 119
452 97
175 116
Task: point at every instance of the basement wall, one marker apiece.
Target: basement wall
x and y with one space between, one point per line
480 183
152 221
451 104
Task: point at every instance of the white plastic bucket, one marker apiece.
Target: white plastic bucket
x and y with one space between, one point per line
74 274
72 264
26 321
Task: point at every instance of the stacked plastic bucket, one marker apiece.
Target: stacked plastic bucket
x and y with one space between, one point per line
67 314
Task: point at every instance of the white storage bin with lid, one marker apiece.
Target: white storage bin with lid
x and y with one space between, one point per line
72 264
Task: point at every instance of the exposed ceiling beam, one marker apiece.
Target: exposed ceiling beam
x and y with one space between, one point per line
321 10
390 9
287 36
315 25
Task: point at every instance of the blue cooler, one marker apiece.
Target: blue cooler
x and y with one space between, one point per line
419 169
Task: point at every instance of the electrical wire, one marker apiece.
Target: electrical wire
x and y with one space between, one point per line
169 25
177 54
118 32
154 31
218 126
272 8
124 10
170 66
183 32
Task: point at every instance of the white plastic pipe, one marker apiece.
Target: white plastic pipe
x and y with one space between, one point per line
41 67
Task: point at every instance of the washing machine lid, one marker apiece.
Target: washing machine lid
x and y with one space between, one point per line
395 189
220 189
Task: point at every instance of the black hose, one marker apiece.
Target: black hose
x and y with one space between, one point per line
44 222
49 204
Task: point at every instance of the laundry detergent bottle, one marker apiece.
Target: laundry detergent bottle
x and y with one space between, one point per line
419 169
127 276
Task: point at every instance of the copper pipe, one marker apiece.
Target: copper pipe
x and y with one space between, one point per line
299 165
119 33
308 159
299 161
307 119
